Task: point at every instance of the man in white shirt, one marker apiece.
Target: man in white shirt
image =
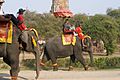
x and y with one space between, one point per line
1 11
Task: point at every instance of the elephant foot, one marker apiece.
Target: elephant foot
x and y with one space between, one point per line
86 67
13 78
55 67
70 68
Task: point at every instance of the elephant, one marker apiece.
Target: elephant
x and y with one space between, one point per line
11 51
32 47
54 49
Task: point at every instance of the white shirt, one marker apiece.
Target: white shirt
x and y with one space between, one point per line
1 11
41 42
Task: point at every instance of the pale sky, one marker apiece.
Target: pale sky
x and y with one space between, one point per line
90 7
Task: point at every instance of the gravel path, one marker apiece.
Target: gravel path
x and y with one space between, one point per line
65 75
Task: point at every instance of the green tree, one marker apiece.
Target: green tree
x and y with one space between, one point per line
105 28
46 24
115 13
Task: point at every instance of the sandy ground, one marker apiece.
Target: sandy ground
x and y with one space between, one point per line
62 75
65 75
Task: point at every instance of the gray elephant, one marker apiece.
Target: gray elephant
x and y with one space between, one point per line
11 51
32 45
54 49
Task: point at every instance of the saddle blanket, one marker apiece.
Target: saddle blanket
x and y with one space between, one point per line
6 30
68 39
33 39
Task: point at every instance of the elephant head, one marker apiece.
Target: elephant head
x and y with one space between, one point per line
29 41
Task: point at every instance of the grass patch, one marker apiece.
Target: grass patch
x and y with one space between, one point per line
99 63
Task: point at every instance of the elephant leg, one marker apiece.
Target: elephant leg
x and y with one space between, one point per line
51 57
72 62
14 70
43 60
79 56
82 61
14 64
55 65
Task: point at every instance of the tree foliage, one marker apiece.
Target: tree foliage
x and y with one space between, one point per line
115 13
46 24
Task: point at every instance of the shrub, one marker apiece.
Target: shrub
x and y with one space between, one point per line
99 63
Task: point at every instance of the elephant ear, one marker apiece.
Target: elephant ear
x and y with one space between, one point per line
87 41
29 39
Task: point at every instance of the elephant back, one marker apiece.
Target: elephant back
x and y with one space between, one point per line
8 32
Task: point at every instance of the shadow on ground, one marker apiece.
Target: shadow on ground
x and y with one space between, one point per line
4 76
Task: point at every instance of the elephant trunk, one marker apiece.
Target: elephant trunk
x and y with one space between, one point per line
91 55
37 62
91 58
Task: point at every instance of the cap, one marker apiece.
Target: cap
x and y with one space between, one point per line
21 10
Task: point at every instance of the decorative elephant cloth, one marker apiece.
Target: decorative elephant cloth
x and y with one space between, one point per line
33 38
6 31
68 39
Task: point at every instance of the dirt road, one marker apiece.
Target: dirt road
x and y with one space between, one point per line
65 75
